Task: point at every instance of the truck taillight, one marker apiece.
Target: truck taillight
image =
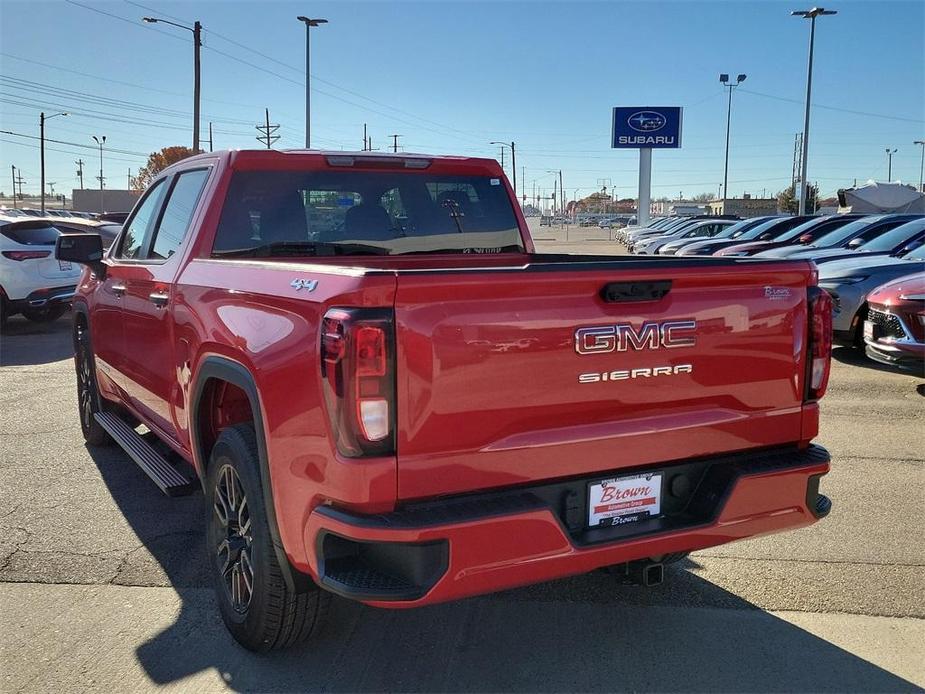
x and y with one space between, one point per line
357 368
819 352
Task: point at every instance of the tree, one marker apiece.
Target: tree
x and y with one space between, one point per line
157 162
787 202
703 197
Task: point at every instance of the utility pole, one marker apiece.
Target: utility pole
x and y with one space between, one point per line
19 180
210 136
267 138
101 142
128 185
364 137
51 187
921 166
42 119
889 163
13 171
811 16
197 46
395 142
309 23
724 78
80 172
513 161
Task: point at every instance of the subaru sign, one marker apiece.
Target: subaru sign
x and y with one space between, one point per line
655 127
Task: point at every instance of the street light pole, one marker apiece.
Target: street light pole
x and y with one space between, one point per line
513 162
724 78
101 141
309 23
196 30
889 163
42 119
810 15
921 166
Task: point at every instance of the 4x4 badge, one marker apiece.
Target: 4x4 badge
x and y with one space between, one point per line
299 283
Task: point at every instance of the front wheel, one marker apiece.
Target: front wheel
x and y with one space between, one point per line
258 609
88 401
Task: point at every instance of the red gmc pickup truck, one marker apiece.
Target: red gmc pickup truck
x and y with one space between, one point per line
385 393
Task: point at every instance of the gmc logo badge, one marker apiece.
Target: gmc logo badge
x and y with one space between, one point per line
623 336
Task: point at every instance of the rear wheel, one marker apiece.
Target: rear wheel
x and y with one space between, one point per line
257 607
88 400
44 315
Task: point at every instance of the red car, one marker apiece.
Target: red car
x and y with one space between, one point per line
385 393
894 332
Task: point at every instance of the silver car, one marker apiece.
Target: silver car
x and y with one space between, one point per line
850 280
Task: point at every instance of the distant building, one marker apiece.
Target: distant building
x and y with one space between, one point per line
88 200
676 207
744 207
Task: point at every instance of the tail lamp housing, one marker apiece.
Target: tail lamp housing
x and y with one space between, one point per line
819 352
358 374
25 255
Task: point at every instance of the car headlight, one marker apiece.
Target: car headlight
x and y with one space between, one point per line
853 279
736 253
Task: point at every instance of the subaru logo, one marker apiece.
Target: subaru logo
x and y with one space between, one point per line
646 121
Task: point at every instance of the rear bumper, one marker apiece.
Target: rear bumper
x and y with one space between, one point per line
452 548
42 298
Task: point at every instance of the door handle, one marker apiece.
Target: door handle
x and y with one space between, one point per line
158 299
118 289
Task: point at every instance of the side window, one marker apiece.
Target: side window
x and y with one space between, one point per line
138 226
178 213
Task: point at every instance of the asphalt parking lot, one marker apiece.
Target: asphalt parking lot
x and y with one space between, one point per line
103 584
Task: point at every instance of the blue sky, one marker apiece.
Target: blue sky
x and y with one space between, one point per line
451 76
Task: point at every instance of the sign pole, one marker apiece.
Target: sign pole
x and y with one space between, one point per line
645 186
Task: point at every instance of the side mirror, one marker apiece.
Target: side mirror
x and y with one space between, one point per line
805 238
85 249
765 236
909 247
854 243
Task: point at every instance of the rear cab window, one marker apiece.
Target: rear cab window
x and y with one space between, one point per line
347 212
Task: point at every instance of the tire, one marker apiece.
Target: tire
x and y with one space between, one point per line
44 315
3 313
258 609
88 397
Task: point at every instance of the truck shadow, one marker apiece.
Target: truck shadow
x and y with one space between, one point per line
587 633
855 357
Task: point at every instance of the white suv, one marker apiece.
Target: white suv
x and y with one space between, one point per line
32 281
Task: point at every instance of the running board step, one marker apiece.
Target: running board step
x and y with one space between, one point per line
168 479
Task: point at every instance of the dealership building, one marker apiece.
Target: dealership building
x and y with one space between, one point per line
744 207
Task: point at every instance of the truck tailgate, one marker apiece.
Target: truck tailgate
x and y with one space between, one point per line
493 390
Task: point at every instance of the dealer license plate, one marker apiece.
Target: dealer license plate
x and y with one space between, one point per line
869 330
624 499
64 265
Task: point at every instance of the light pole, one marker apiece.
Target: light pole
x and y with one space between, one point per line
309 23
197 45
724 78
513 162
889 163
810 15
101 141
921 166
42 119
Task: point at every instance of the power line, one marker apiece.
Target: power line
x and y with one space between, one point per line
835 108
74 144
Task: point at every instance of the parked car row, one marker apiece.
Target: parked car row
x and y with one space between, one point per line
871 265
32 282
